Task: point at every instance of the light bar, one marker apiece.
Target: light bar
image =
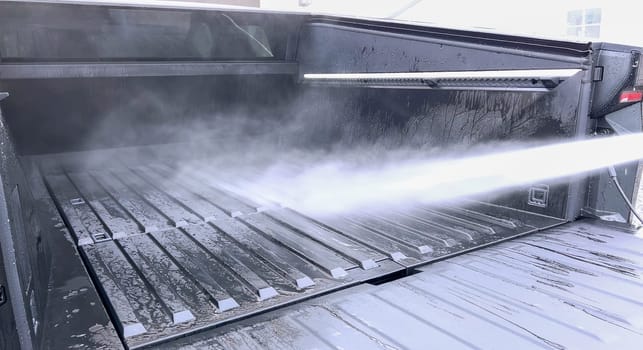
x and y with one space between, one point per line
490 74
522 80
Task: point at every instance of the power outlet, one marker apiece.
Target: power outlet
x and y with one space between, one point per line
538 196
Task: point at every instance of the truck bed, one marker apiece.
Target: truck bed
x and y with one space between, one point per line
174 254
577 286
122 226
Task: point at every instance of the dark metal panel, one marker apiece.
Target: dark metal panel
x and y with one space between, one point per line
58 304
139 69
14 260
215 5
539 46
348 48
578 184
618 73
602 199
85 114
75 315
24 252
392 118
9 332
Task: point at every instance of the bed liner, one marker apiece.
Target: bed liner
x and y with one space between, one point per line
172 254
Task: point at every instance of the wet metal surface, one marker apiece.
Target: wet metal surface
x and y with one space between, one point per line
175 254
578 286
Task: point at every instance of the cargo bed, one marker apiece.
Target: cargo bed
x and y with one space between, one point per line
172 254
132 135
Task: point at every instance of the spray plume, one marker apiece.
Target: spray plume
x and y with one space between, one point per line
333 187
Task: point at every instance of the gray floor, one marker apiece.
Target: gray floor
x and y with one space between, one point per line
577 286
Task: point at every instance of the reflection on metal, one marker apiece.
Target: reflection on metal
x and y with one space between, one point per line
521 80
163 4
140 69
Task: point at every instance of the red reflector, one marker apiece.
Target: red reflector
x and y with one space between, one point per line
630 96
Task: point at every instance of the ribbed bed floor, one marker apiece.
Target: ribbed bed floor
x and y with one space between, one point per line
173 253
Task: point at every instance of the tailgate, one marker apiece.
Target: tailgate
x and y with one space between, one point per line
577 286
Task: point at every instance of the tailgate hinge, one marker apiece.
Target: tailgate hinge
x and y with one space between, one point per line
597 74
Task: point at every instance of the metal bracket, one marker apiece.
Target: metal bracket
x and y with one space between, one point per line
3 295
77 201
550 83
429 82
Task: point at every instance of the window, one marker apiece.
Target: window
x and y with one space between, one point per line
584 24
64 33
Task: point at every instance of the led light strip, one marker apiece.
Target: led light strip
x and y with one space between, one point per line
539 74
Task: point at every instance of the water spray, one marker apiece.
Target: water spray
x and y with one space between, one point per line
335 187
